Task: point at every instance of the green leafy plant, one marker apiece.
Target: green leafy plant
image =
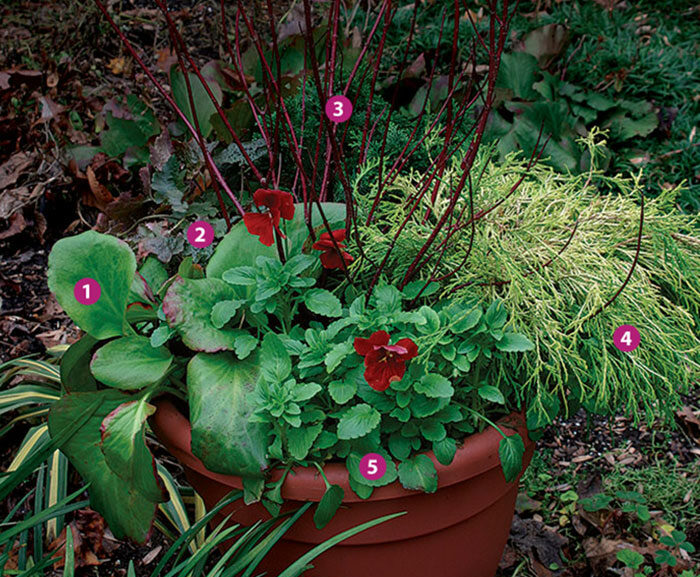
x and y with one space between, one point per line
387 322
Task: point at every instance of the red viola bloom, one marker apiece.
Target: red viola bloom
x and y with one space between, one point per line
384 363
279 204
331 258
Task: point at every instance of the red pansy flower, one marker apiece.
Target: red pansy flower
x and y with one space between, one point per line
384 363
279 204
330 257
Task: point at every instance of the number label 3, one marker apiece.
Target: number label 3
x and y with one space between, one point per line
626 338
338 108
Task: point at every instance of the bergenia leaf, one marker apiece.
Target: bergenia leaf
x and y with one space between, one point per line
107 260
130 363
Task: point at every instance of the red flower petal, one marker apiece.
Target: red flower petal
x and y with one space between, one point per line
260 224
411 349
279 203
380 374
331 259
379 338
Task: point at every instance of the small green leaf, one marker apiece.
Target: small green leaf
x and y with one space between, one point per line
492 394
275 363
305 391
130 363
160 336
432 320
664 557
342 391
511 450
514 343
323 302
418 473
337 355
630 558
466 322
224 311
433 430
241 276
399 446
496 315
300 441
358 421
434 386
412 289
445 450
353 466
328 505
244 345
596 502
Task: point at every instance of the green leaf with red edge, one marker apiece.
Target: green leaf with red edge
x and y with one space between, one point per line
188 305
104 258
223 436
125 450
128 512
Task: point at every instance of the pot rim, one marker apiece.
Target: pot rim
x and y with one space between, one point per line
477 454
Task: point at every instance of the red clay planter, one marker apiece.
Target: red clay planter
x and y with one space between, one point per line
459 531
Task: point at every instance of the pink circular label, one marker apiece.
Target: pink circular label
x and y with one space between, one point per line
200 234
626 338
338 108
87 291
372 466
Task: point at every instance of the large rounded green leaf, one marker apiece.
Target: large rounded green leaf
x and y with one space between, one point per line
219 389
188 305
128 512
130 363
240 248
107 260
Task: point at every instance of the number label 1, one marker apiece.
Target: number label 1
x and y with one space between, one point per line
87 291
372 466
200 234
626 338
338 108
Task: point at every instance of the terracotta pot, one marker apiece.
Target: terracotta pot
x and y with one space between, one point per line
458 531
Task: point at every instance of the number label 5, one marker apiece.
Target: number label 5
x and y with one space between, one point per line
372 466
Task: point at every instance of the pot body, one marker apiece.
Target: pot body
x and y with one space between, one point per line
458 531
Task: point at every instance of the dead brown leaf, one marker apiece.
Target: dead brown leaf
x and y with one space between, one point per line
546 43
691 422
17 225
101 192
14 167
16 198
88 534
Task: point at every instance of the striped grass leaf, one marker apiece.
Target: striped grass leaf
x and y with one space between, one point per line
56 489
